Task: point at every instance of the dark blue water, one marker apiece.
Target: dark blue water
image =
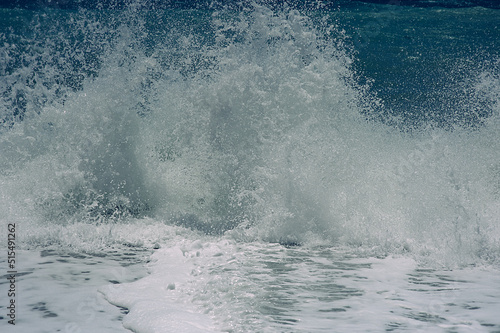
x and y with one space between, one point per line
65 4
417 56
422 59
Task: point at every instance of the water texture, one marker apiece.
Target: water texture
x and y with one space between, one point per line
310 138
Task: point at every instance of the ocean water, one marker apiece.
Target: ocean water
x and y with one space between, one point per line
312 166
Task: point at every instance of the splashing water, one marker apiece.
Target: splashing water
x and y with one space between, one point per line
249 122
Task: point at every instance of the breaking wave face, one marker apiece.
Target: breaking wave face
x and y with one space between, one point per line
245 121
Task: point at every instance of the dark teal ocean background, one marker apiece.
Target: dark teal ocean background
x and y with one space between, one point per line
420 57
